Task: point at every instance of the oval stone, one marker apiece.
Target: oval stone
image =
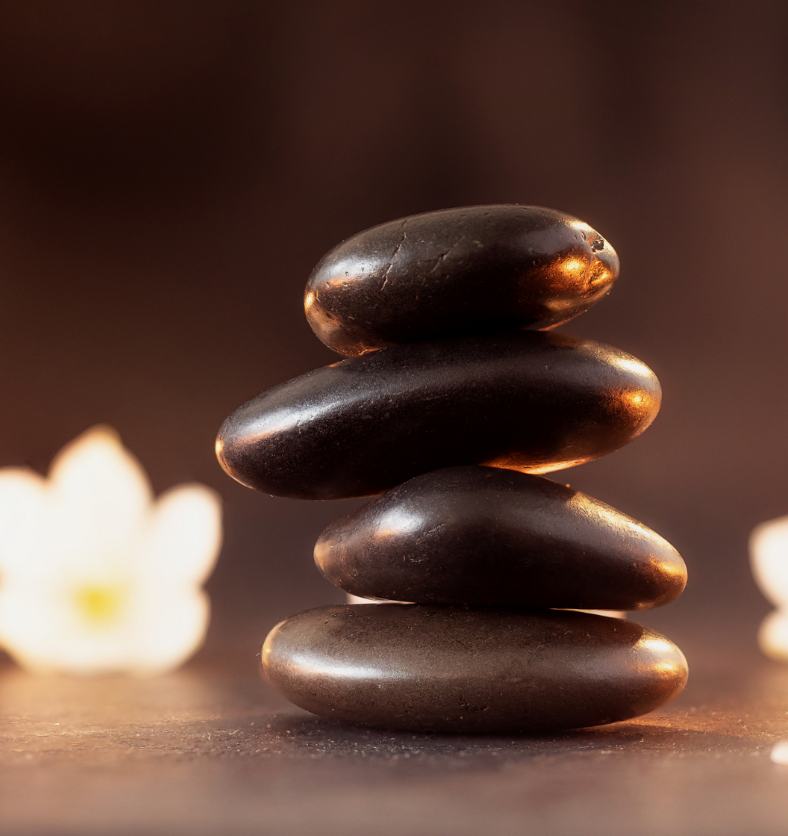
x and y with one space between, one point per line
528 400
451 669
472 270
478 535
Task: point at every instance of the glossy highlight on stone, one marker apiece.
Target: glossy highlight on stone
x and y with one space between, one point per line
528 400
454 669
490 537
454 272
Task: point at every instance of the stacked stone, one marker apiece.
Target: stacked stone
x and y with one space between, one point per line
452 398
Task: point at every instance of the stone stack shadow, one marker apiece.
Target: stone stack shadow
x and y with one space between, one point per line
453 397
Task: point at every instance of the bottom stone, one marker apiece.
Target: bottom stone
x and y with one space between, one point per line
463 669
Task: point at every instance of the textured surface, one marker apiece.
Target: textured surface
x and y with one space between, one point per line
481 535
528 400
454 669
214 750
457 271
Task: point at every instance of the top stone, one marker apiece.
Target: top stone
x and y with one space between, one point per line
457 272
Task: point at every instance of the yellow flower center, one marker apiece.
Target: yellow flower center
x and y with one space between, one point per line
99 604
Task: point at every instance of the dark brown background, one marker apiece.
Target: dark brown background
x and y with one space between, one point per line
171 171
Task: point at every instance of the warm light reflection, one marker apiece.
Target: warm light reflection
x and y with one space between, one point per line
662 654
355 599
627 364
397 522
342 669
573 265
96 575
769 561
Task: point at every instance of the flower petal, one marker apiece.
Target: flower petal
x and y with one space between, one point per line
102 497
95 578
45 632
30 626
184 537
769 557
44 628
169 628
773 635
25 510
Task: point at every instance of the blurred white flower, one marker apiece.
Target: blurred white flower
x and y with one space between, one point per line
769 560
95 575
779 753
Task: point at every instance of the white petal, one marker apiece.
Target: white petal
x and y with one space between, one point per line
769 557
30 626
185 536
93 577
156 631
25 517
102 497
773 635
169 628
779 753
44 629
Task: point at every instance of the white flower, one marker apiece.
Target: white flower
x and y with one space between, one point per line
779 753
96 575
769 559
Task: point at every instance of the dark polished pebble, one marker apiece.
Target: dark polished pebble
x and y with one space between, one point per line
479 535
451 669
528 400
473 270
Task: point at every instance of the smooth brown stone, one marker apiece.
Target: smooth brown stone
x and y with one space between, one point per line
478 269
450 669
490 537
529 400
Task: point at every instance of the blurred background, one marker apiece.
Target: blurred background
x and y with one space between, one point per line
171 171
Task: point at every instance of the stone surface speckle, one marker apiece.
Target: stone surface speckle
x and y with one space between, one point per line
214 749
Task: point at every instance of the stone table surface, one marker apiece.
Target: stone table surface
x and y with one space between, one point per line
211 749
